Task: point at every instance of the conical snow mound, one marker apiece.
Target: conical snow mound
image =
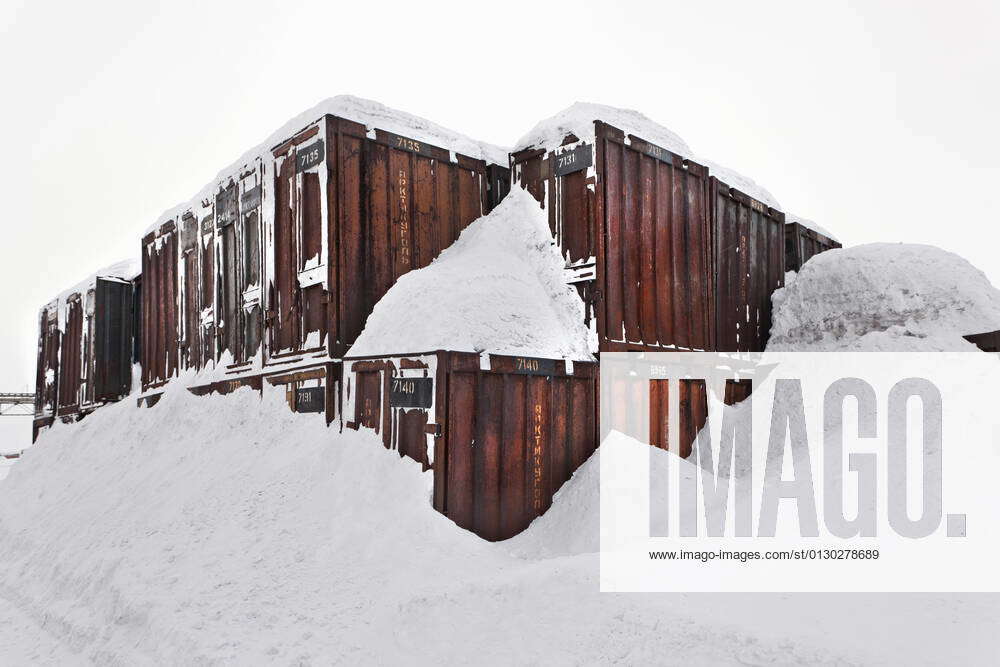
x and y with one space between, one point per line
499 288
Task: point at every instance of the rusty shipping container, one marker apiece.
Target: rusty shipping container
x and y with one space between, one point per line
749 266
96 355
502 437
159 323
353 211
803 243
632 220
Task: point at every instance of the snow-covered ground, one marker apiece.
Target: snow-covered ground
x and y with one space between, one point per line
227 529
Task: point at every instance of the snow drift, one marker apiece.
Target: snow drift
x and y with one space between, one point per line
884 297
499 288
226 529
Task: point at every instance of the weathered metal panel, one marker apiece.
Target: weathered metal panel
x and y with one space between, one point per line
749 266
511 440
635 233
230 301
497 185
505 439
159 302
112 349
47 367
71 358
802 244
693 410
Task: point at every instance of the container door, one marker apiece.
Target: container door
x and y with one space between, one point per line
69 363
207 287
251 196
230 302
300 252
89 350
190 335
368 400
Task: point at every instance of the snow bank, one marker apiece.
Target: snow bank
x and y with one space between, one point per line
805 222
373 115
499 288
228 530
891 297
579 118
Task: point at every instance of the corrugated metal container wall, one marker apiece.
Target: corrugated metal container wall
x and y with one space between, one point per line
70 358
159 306
112 347
352 214
191 349
693 410
749 266
802 244
635 232
505 437
207 285
47 373
497 185
137 320
395 398
239 264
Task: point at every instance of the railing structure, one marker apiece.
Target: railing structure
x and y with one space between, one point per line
17 405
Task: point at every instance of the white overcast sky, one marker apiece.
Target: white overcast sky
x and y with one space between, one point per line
876 119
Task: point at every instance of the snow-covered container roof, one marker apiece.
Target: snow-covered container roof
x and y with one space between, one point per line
373 115
578 120
500 289
744 184
809 224
126 269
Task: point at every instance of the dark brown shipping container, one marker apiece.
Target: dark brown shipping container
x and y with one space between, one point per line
802 243
987 342
159 299
111 323
505 439
749 266
636 234
352 213
693 406
497 185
